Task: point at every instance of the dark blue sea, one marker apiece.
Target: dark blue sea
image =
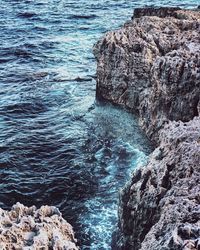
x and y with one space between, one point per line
58 145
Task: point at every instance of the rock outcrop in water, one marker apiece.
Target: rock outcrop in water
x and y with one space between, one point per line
152 66
31 229
160 208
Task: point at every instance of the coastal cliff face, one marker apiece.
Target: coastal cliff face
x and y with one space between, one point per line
152 66
160 207
29 228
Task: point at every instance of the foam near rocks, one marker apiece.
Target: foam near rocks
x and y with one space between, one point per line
160 208
151 66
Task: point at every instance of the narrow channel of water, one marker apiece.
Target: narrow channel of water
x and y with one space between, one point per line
57 146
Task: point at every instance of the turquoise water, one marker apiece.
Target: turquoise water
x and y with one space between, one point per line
58 146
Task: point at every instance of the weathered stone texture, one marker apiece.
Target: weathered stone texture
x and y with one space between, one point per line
29 228
152 66
160 208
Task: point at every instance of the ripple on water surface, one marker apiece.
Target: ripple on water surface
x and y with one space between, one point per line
58 146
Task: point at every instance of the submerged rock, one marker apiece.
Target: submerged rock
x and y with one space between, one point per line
29 228
152 67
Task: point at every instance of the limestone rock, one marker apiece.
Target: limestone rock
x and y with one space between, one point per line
152 66
160 207
30 229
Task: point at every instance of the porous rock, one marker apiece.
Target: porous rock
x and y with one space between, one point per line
29 228
160 207
152 66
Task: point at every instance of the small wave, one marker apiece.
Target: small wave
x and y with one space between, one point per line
81 79
24 108
27 14
77 79
84 28
83 16
15 51
3 149
5 60
40 28
37 75
22 52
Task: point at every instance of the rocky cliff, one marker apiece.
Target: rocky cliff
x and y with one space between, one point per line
160 207
152 66
29 228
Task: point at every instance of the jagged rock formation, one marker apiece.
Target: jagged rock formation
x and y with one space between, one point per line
152 66
30 229
160 208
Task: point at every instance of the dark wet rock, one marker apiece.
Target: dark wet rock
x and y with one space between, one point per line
159 12
151 66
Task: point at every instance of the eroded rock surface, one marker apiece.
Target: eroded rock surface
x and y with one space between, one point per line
152 66
29 228
160 208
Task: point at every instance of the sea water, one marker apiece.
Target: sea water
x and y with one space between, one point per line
58 146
